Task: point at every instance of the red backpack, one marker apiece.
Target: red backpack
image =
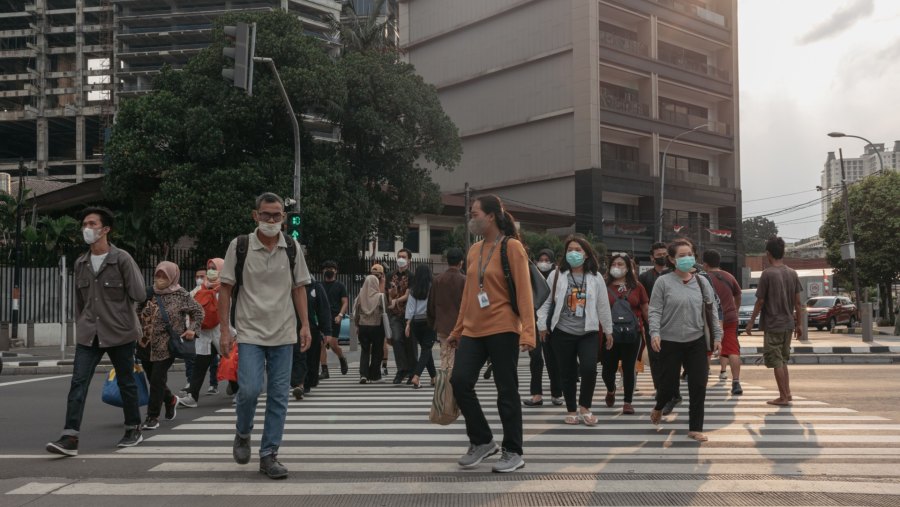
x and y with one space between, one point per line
208 299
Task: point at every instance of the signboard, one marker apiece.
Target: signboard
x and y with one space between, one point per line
814 289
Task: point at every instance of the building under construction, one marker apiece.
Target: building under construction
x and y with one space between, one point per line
65 64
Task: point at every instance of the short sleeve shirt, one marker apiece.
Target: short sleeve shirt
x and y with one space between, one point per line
777 287
335 291
727 288
264 313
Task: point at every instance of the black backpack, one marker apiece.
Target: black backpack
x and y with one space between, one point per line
243 245
625 325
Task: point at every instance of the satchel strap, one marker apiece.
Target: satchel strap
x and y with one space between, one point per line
165 317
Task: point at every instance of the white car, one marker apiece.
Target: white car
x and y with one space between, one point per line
748 300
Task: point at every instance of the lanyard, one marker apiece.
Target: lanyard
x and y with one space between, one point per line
483 268
583 281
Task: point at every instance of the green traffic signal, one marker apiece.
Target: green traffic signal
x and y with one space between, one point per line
294 223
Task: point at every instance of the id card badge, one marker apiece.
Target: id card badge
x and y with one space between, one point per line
483 300
579 311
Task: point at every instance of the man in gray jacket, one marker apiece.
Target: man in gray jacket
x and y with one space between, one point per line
108 283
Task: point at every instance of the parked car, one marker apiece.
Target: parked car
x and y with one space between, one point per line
826 312
748 300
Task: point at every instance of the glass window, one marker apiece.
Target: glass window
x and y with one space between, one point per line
440 239
411 242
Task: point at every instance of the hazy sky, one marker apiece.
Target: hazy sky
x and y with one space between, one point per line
809 67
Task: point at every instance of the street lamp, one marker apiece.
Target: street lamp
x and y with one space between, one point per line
662 178
868 143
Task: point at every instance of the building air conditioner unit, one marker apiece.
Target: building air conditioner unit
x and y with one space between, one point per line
5 183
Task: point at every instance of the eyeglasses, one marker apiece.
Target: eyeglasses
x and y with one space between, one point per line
269 217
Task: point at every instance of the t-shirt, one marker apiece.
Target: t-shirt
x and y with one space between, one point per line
637 298
97 261
777 287
727 288
335 291
648 279
571 315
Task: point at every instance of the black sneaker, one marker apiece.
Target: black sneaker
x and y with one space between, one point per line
151 423
67 445
297 392
241 450
324 375
132 438
736 388
273 469
488 372
170 408
384 369
344 366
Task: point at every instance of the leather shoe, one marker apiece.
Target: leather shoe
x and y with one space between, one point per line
533 403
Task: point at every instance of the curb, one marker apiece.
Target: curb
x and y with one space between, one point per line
862 349
856 358
59 368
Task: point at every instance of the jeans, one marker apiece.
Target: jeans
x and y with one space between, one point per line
503 351
692 355
158 375
371 350
86 360
542 352
577 355
628 354
273 363
425 336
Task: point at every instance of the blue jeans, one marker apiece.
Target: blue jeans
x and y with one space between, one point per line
275 363
86 361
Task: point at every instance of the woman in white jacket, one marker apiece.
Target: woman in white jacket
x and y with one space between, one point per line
579 306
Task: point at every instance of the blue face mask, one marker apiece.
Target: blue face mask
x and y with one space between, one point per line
575 259
685 264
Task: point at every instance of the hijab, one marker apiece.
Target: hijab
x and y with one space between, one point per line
171 272
370 296
220 265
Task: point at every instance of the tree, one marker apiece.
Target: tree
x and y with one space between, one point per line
189 158
756 231
875 209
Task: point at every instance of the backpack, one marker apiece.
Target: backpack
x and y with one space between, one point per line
625 324
208 299
243 245
540 289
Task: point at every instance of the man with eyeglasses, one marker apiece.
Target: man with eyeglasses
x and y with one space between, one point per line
270 296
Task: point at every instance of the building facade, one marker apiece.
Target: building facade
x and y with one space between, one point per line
568 106
855 169
65 64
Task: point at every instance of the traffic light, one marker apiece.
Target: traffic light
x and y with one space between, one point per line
294 223
244 37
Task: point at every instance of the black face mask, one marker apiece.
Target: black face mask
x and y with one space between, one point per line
659 261
329 274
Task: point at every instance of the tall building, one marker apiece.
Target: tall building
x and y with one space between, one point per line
568 106
855 169
59 89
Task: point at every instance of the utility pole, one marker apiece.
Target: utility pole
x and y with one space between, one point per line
850 249
468 216
17 270
294 123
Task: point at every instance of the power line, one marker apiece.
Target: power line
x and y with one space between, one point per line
782 195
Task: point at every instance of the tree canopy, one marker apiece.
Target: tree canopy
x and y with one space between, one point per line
756 231
189 158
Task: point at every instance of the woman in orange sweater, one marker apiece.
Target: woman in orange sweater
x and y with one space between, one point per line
489 328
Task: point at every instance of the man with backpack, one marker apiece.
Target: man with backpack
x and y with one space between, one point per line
266 274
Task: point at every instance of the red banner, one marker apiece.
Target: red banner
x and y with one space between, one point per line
720 233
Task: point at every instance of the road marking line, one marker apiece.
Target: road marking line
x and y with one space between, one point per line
491 410
543 417
459 424
37 488
34 380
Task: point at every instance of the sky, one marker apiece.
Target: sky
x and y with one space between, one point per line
809 67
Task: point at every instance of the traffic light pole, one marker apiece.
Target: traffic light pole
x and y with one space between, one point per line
294 123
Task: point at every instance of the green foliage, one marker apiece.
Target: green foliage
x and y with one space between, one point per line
875 210
755 232
190 158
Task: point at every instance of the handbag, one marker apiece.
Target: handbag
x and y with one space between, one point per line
444 409
111 394
178 346
386 321
552 300
708 317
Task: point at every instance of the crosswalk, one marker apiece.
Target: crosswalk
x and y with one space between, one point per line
371 435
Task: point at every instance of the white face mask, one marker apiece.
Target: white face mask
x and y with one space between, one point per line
617 272
401 262
212 275
90 235
544 266
270 229
199 281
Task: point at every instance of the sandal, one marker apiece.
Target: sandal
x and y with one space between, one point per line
699 437
588 418
573 419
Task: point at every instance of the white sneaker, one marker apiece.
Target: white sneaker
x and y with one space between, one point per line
723 375
188 401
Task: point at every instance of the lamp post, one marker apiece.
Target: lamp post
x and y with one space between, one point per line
662 179
868 143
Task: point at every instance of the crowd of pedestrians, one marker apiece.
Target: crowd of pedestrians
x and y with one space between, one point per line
260 302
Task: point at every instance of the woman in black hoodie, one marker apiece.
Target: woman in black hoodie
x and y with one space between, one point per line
546 262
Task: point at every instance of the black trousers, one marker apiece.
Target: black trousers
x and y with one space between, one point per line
541 355
158 375
299 366
371 345
86 361
503 351
405 353
202 363
425 337
692 356
628 354
656 366
313 359
576 356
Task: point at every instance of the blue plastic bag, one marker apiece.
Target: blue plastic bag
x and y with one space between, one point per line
111 394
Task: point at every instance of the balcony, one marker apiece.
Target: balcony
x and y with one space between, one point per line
620 43
692 121
703 69
625 166
673 175
622 105
695 11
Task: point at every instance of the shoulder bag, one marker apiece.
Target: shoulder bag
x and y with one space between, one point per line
178 346
708 317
